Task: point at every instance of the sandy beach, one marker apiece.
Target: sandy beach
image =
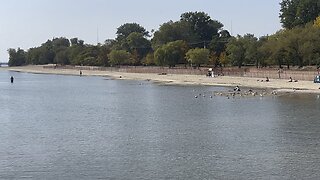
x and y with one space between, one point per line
280 85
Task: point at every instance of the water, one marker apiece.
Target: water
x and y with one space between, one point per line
70 127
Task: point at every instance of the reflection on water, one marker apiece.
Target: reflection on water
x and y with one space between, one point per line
70 127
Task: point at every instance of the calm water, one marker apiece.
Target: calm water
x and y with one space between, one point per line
69 127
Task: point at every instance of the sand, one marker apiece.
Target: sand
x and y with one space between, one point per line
280 85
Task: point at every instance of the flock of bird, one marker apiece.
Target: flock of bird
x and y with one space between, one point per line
239 93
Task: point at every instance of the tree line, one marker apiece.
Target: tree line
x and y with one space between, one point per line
196 39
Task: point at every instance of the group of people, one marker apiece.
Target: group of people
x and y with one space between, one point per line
267 79
292 80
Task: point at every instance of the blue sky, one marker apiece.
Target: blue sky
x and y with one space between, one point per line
28 23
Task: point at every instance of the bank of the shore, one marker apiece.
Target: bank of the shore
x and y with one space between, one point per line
281 85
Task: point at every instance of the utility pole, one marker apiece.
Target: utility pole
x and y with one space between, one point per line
97 35
231 28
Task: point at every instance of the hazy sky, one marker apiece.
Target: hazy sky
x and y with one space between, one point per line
28 23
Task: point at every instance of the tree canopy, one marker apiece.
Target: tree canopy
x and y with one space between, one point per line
198 56
195 38
298 12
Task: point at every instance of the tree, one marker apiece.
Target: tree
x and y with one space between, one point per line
103 59
160 57
33 55
173 31
316 22
88 56
60 42
17 57
198 56
235 51
171 54
202 24
62 57
138 45
251 49
47 53
119 57
223 59
149 60
298 12
243 50
126 29
74 41
218 46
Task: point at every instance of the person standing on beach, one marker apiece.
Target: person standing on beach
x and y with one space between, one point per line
80 73
11 79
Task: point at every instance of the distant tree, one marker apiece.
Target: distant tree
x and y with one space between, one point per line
218 46
243 50
223 59
103 59
73 53
109 42
149 60
139 46
74 41
173 31
62 57
126 29
33 55
161 57
47 53
17 57
219 41
60 42
198 56
202 24
250 43
119 57
298 12
236 51
171 54
88 56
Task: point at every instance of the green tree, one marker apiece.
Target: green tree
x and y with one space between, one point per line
160 57
33 55
218 46
88 56
74 41
250 43
62 57
119 57
243 50
173 31
202 24
298 12
17 57
171 54
139 46
198 56
103 59
126 29
149 60
236 51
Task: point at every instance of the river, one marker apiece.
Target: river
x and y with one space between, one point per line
71 127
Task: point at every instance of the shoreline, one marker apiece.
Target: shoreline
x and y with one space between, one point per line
279 85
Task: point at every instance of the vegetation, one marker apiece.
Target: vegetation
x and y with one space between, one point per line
194 39
198 56
298 12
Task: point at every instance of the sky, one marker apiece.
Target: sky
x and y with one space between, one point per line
29 23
